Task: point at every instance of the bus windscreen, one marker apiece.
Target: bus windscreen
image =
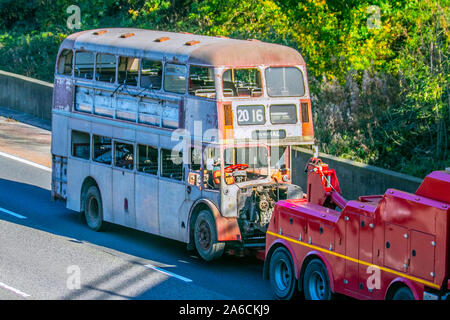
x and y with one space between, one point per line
284 82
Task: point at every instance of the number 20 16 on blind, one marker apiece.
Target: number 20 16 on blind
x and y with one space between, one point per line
251 115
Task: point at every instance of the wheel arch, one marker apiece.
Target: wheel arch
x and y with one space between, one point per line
398 283
227 229
87 183
279 243
307 259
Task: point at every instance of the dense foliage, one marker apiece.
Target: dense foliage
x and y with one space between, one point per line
378 69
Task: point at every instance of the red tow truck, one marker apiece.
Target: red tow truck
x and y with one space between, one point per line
392 246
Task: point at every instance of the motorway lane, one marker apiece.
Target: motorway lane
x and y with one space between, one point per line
36 252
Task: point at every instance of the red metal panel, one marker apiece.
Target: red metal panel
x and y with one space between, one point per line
436 186
320 234
396 247
292 225
351 250
365 251
422 255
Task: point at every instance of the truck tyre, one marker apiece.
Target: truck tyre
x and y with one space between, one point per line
205 237
316 283
282 275
403 293
93 209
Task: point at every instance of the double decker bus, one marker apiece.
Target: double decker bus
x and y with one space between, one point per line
184 136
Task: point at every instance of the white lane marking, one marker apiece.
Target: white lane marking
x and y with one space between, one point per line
12 213
16 291
171 274
34 164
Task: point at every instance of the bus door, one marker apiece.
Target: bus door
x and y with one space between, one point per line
172 192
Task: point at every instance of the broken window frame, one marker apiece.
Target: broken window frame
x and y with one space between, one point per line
62 56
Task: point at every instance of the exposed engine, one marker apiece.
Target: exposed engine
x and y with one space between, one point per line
256 205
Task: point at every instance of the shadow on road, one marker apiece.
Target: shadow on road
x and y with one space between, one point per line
230 276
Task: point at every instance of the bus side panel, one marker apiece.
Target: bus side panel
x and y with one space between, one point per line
147 210
77 171
102 174
171 199
201 115
59 137
123 197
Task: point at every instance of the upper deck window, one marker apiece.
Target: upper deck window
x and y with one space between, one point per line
201 82
242 83
106 68
84 64
175 78
151 74
128 71
65 62
284 82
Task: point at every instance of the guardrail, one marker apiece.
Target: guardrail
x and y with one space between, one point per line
26 95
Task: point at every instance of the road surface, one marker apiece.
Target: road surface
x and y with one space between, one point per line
48 252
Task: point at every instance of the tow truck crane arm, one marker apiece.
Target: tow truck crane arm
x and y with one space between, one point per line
323 185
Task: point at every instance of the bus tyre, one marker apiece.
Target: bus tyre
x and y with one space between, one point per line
403 293
205 237
93 209
316 283
282 275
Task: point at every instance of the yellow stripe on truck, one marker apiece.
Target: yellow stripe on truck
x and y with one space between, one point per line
430 284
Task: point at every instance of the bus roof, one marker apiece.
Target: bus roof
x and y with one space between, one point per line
183 47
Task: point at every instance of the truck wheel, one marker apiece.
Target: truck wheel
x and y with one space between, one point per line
403 293
282 275
316 283
93 209
205 237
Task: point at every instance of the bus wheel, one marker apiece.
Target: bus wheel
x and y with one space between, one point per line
205 237
93 209
403 293
282 275
316 283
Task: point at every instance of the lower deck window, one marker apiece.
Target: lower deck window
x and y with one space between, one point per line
102 149
124 155
81 144
171 164
147 159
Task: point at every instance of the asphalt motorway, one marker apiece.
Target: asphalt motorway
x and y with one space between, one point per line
48 252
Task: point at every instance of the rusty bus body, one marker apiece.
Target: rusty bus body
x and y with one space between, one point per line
122 95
